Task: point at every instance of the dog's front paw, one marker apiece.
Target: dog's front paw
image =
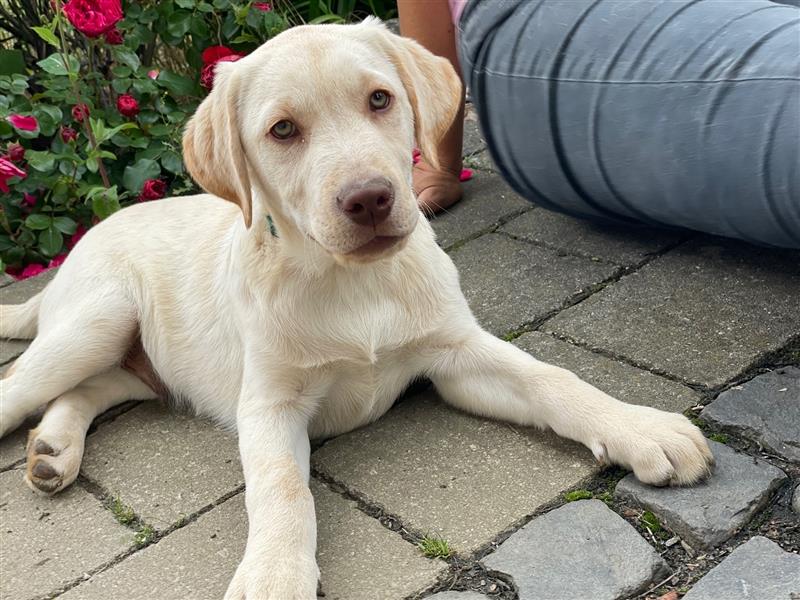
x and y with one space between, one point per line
661 448
265 579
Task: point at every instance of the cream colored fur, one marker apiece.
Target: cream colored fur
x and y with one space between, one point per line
296 336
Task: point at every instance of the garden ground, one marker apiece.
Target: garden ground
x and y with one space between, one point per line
673 320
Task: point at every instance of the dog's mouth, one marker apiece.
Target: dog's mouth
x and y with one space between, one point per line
376 246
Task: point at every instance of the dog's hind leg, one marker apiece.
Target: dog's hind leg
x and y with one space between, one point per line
76 340
55 447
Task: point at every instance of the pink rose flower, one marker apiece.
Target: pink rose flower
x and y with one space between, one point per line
127 105
262 6
16 152
8 170
23 123
68 134
465 175
80 112
93 18
153 73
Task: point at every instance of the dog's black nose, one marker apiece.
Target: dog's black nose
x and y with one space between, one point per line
367 202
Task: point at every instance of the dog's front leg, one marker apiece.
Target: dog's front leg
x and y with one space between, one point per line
279 560
487 376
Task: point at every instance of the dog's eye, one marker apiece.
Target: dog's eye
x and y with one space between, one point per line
379 100
283 130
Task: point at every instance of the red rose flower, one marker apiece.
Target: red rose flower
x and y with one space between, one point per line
262 6
80 112
68 134
29 200
15 151
207 74
93 18
80 231
57 261
31 270
127 105
23 123
7 171
211 56
153 189
114 37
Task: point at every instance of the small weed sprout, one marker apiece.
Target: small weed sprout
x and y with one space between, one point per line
122 512
434 547
722 438
144 536
578 495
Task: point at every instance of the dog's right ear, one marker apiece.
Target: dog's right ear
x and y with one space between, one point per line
212 144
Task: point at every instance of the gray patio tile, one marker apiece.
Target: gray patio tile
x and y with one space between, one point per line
623 245
703 312
622 381
359 559
583 551
509 283
45 543
757 570
162 464
487 200
452 475
766 409
18 293
708 513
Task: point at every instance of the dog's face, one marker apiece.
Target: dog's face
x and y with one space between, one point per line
320 122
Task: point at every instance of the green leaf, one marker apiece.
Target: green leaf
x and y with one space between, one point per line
186 3
65 225
172 162
105 203
38 221
11 61
50 241
91 164
41 160
161 130
135 175
121 71
54 64
244 38
47 35
177 84
178 23
127 57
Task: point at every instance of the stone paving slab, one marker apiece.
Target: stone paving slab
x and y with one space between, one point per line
198 560
509 283
622 381
18 293
580 551
756 570
487 200
448 474
12 447
704 312
45 543
766 409
708 513
473 138
162 464
481 161
458 596
623 245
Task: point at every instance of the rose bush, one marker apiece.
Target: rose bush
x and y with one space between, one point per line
94 95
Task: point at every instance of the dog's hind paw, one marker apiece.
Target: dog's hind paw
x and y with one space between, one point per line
52 464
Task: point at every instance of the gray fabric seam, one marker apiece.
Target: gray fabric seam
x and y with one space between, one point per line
622 82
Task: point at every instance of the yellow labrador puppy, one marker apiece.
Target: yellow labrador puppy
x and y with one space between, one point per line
303 306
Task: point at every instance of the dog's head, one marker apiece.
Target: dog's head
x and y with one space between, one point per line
318 124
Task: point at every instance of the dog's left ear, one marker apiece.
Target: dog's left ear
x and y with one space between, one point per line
212 144
432 84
